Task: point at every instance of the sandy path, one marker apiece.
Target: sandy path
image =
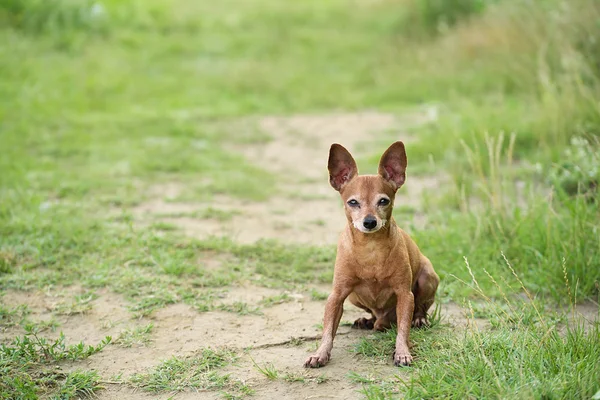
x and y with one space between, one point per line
305 209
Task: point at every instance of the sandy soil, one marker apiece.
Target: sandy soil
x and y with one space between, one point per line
283 336
306 209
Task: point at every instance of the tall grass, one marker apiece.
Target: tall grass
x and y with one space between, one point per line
520 82
547 231
525 67
43 16
425 18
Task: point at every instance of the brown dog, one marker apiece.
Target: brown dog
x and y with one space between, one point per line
378 266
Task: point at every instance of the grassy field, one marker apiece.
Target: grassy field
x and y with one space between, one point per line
105 105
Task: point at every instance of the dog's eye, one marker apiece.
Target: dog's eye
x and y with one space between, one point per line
383 202
352 203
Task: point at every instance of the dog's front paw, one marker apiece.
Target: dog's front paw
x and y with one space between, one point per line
402 359
317 360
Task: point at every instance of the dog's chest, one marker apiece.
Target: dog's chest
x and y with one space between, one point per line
375 294
371 255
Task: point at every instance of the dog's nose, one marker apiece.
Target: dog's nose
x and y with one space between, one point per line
370 222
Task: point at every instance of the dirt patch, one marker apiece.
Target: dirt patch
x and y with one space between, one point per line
279 336
87 319
306 209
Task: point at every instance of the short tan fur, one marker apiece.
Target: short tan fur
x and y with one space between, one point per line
379 268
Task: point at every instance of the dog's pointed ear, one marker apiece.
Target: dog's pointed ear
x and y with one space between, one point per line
341 165
392 166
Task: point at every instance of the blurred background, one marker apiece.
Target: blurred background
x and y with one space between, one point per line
159 148
102 99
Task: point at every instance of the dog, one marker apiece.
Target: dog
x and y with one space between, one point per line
378 267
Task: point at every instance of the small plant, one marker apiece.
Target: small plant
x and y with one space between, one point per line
13 316
139 336
294 377
358 378
240 308
278 299
579 169
81 304
199 372
430 17
318 295
32 348
7 262
79 384
52 15
267 370
20 360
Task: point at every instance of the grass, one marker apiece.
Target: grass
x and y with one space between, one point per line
198 373
277 299
79 384
139 336
527 353
268 370
25 367
104 103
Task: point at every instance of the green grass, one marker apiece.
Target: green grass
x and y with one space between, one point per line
197 372
101 107
79 384
13 316
268 370
528 352
277 299
139 336
25 365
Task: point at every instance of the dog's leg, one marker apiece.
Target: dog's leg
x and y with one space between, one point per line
424 292
404 313
333 314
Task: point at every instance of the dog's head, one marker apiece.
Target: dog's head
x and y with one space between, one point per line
368 199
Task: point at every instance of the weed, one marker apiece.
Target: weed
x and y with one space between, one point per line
318 295
239 307
427 17
294 377
358 378
81 304
579 169
198 372
139 336
78 384
277 299
52 15
13 316
267 370
21 359
163 226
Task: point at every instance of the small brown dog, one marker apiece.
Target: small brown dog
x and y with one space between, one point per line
378 266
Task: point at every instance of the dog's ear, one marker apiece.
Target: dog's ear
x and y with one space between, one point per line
341 165
392 166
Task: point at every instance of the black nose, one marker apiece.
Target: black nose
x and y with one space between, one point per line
370 222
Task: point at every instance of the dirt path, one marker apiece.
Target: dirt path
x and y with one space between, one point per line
306 209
